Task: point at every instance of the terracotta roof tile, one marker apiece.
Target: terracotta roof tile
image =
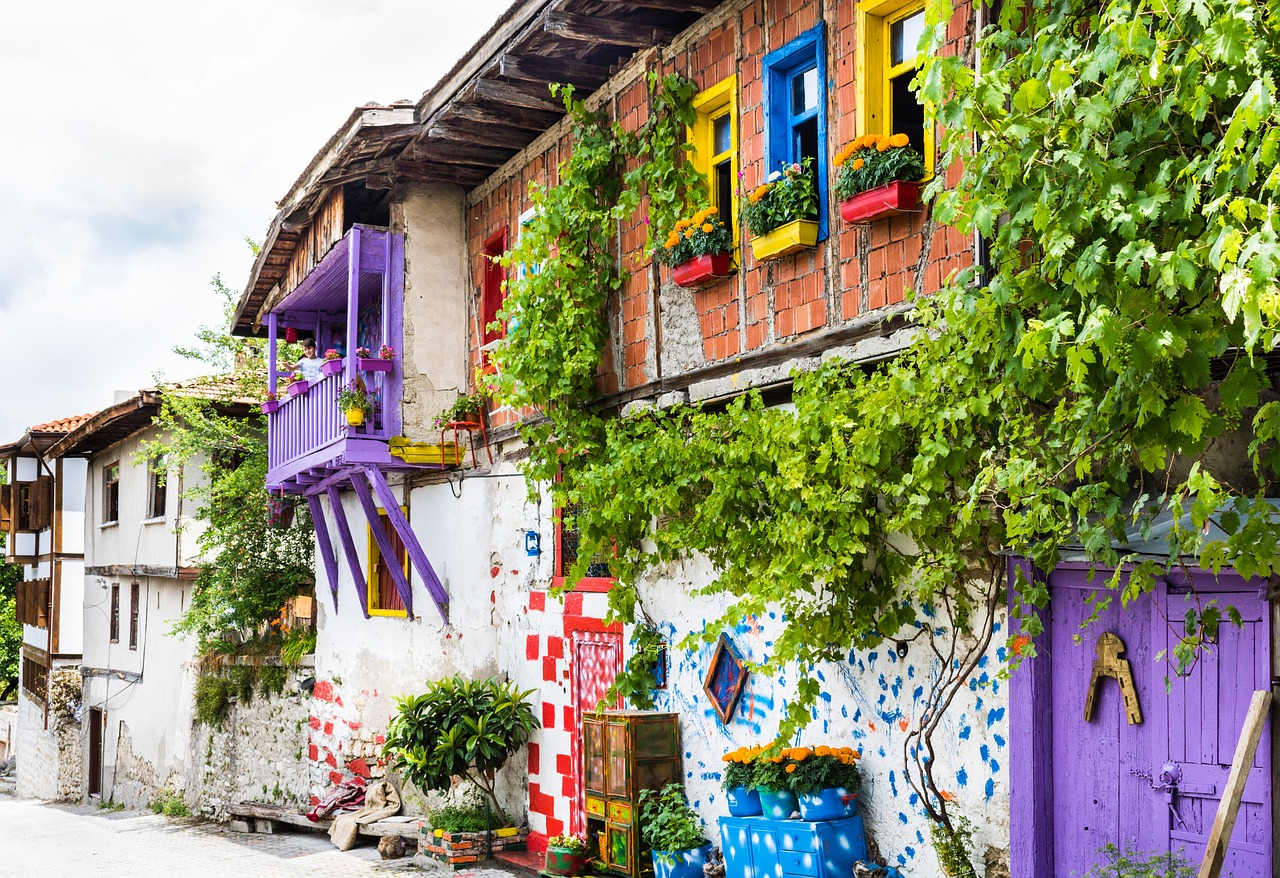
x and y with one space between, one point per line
63 425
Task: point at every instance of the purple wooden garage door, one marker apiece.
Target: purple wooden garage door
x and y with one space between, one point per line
1077 786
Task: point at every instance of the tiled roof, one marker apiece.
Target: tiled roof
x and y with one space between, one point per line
63 425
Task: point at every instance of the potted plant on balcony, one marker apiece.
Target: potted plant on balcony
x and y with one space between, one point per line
367 362
825 781
782 213
332 364
271 403
674 831
739 782
297 386
566 855
697 249
355 401
878 176
467 409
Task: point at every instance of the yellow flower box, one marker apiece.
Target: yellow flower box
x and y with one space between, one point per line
784 240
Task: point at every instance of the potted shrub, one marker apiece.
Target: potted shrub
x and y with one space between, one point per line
464 729
465 409
354 400
825 781
271 403
332 364
674 832
297 386
878 176
739 782
566 855
366 362
782 213
770 775
697 249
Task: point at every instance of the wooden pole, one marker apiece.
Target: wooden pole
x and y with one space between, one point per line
1216 850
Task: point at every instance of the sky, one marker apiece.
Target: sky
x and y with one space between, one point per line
141 143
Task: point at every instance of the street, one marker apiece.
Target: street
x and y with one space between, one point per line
72 841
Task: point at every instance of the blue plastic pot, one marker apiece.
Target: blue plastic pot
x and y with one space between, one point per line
680 864
743 802
777 804
828 804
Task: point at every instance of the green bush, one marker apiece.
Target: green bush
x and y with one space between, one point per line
459 818
669 823
169 804
244 678
298 644
271 680
1129 863
213 699
459 729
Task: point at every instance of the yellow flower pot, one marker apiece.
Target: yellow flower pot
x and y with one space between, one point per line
795 235
355 417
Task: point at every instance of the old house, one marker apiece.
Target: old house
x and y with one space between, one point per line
42 511
390 237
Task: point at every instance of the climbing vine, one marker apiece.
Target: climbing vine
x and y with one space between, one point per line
1126 184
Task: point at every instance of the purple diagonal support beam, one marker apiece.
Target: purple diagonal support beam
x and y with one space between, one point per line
324 545
419 558
383 540
349 548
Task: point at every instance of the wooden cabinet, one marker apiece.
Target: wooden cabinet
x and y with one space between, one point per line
625 752
757 847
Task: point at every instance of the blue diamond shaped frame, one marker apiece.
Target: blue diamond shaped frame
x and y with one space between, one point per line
726 678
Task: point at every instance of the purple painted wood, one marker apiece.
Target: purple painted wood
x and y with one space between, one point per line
1099 775
305 423
1030 795
410 539
349 548
272 328
324 545
395 332
383 540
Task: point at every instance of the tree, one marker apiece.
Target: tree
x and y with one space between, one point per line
251 567
10 630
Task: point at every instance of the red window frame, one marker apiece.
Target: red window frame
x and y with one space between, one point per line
587 583
491 289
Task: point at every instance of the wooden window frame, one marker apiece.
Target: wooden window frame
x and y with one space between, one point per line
157 488
373 590
711 105
874 69
113 632
781 66
111 493
135 592
35 678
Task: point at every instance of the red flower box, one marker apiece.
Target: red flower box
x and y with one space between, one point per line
895 197
701 269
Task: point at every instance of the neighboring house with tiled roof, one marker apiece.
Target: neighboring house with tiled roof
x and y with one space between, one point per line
42 513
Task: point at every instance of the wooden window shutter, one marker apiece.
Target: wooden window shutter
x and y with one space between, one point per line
42 503
6 507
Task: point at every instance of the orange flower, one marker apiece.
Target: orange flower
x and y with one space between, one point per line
691 233
1019 644
790 768
681 225
857 164
708 228
899 140
883 144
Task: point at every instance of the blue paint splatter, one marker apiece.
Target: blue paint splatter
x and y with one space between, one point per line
965 732
914 798
996 626
995 767
893 779
911 671
909 851
903 818
999 739
995 716
825 696
902 861
1000 653
962 777
982 662
917 693
985 752
990 788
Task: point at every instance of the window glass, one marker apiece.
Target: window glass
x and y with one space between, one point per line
722 139
904 37
804 91
722 188
908 114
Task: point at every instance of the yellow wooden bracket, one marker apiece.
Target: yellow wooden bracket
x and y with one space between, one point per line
1109 664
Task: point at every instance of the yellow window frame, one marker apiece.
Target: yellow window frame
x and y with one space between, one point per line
874 70
372 577
711 104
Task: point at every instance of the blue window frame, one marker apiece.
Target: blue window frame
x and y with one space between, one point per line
795 102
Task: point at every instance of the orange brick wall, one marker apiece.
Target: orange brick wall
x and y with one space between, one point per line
856 271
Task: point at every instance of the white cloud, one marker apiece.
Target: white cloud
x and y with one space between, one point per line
142 141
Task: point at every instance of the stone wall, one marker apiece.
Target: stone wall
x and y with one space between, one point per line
259 753
48 759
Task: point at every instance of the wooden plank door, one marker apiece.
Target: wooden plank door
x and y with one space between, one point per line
596 659
1100 795
97 723
1203 717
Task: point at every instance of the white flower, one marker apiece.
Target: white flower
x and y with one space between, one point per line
775 176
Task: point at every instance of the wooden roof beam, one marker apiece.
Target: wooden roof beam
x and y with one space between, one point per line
447 153
526 120
465 135
605 31
526 95
699 6
553 70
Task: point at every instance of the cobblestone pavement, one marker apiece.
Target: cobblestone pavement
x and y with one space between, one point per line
74 841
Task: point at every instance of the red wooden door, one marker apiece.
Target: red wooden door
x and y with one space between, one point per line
596 659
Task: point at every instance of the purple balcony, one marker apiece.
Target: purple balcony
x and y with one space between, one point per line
353 298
